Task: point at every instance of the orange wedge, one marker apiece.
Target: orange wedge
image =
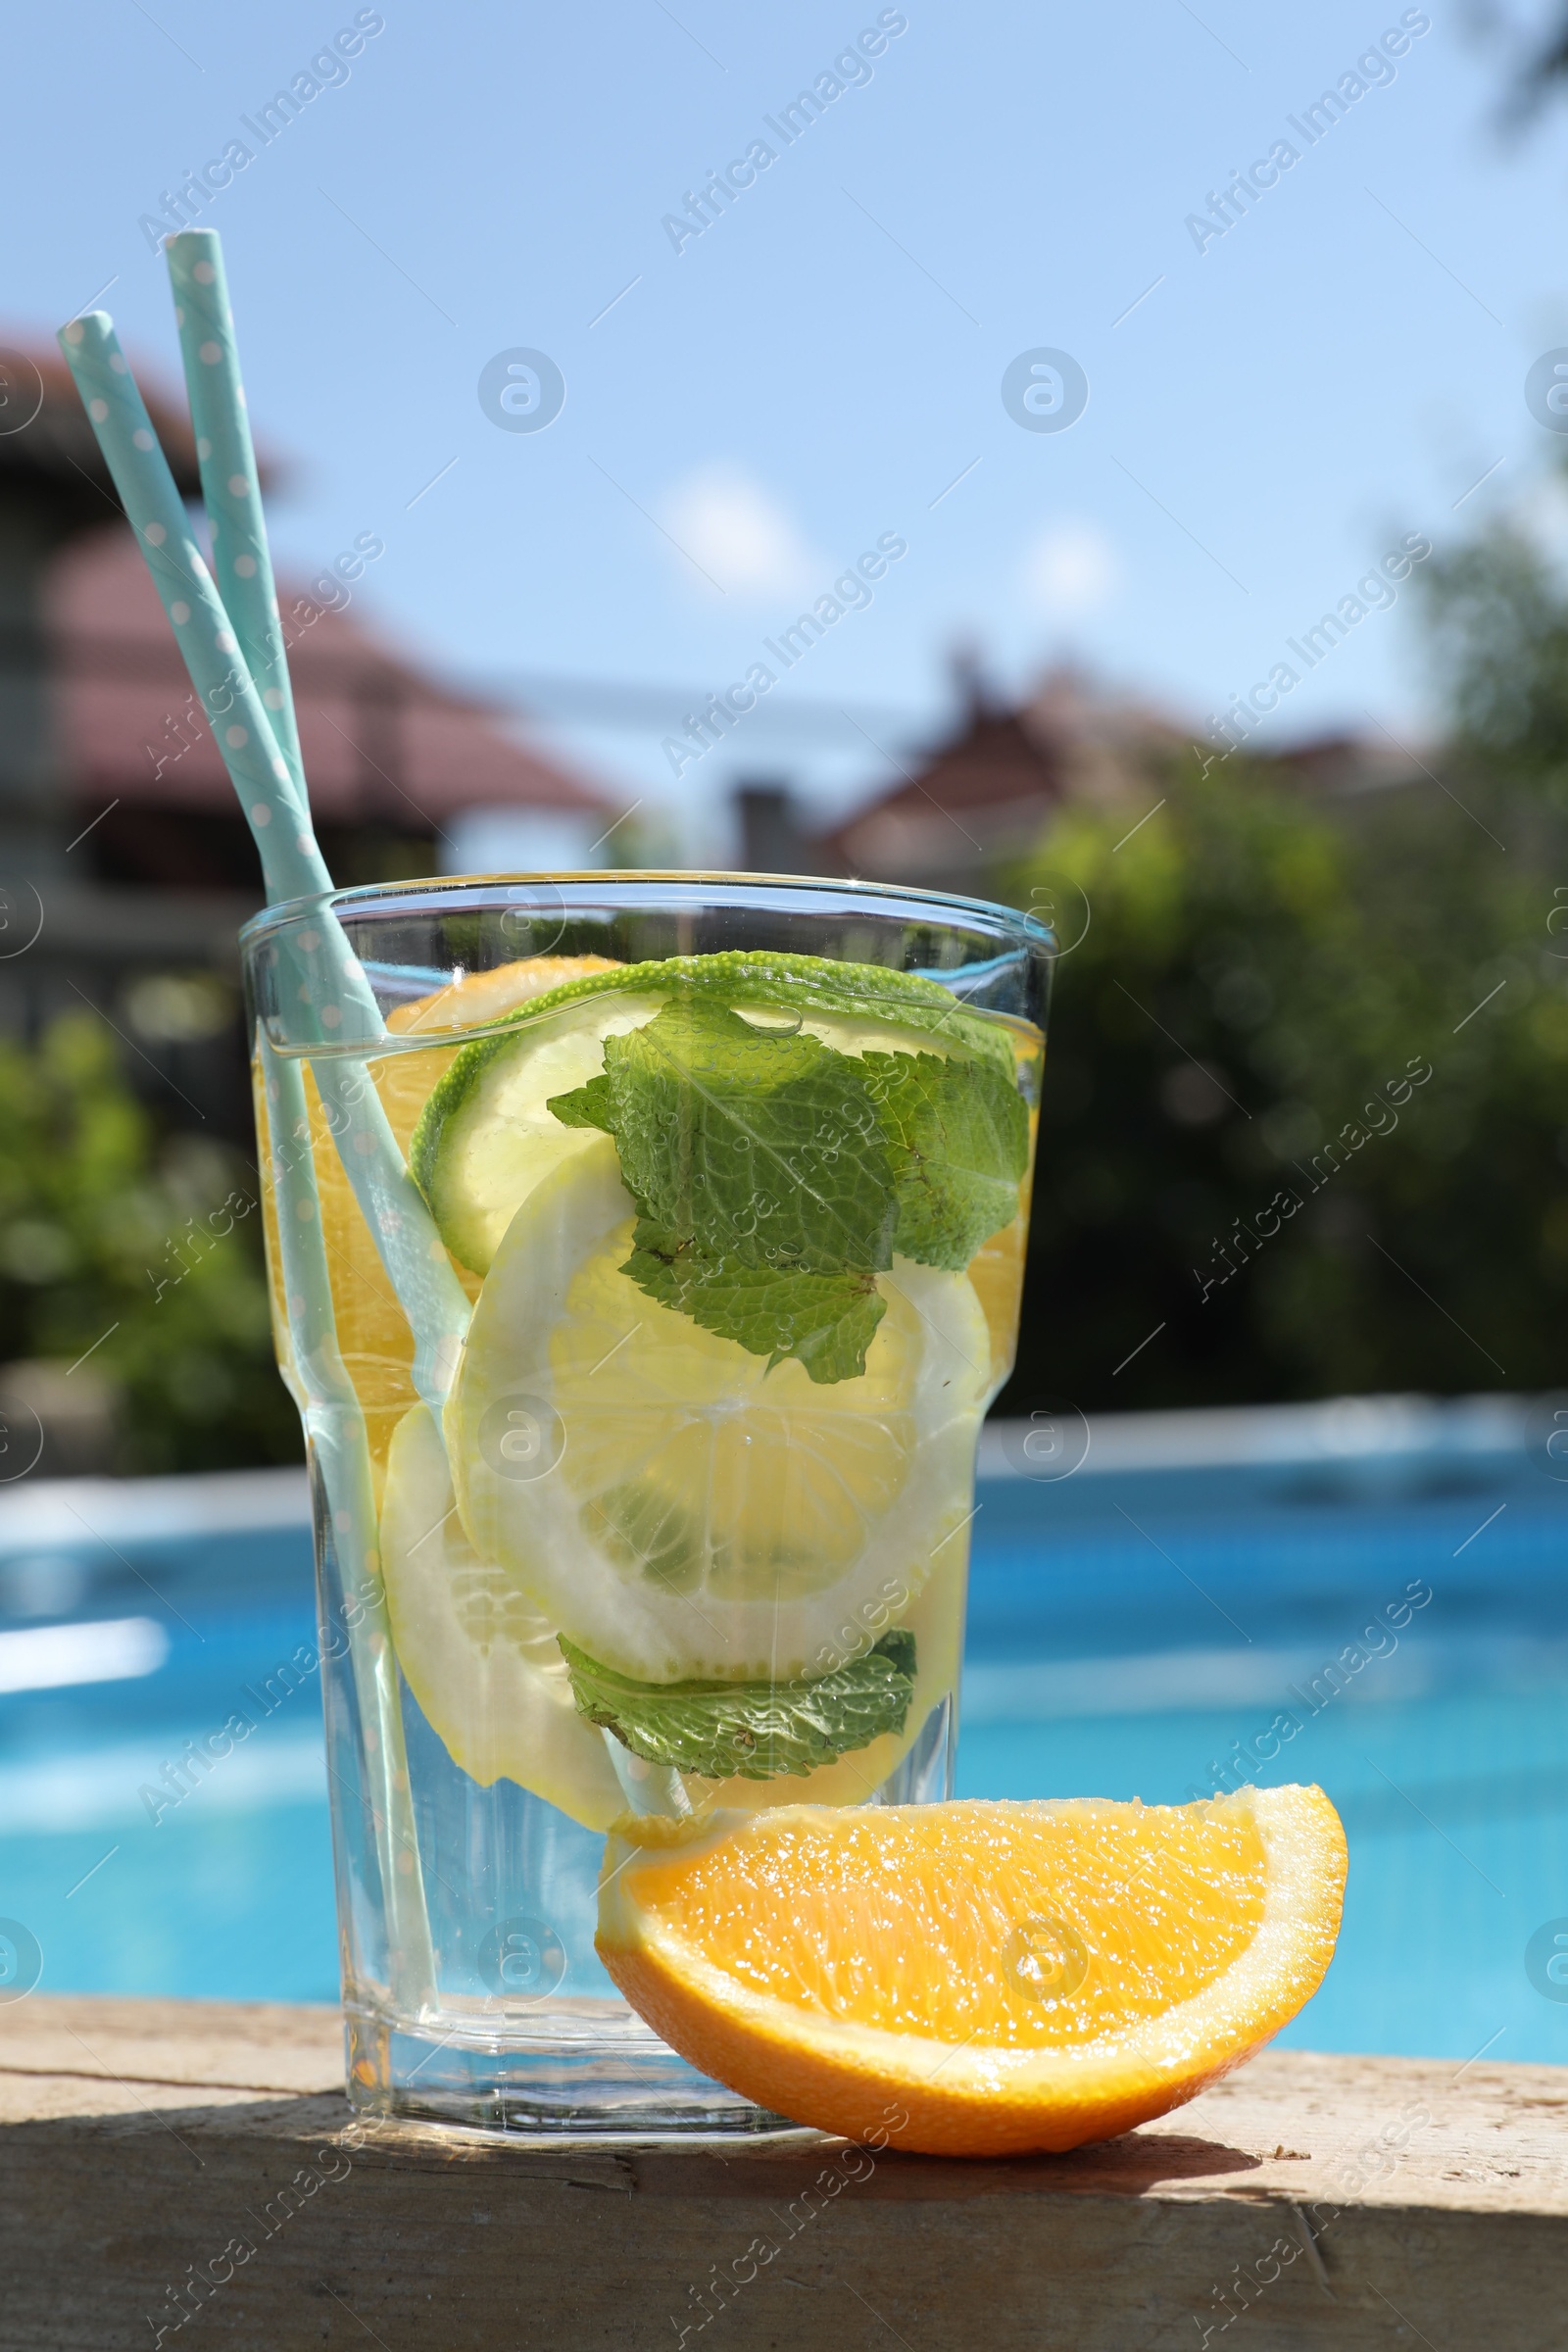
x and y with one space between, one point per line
976 1979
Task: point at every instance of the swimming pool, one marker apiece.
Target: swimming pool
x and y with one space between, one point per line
1209 1597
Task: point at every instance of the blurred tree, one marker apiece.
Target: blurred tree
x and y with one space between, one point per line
1305 1114
148 1255
1498 617
1532 38
1544 63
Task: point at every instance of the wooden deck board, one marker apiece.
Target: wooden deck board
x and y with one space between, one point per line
1345 2202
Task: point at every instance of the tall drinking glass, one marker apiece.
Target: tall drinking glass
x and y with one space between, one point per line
734 1173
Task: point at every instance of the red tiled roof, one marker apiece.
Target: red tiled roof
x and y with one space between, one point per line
379 740
995 778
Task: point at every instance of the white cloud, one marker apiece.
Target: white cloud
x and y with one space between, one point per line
1070 567
735 532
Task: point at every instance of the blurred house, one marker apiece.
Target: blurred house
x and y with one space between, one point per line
775 837
956 814
965 807
401 771
1114 748
125 866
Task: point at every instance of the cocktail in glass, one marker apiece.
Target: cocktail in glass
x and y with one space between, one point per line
734 1174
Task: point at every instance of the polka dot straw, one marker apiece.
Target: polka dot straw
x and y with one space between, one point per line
334 984
291 862
229 484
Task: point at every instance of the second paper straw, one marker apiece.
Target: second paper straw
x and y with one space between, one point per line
334 1008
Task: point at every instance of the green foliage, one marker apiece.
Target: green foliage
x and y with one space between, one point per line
1499 639
1274 1121
101 1231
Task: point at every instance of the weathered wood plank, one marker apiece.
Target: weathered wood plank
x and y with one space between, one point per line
248 2045
1350 2202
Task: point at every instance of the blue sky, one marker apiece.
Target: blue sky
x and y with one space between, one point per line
822 364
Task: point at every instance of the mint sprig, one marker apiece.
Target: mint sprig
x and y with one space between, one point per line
755 1731
775 1176
761 1174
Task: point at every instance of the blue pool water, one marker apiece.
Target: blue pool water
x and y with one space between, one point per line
1131 1628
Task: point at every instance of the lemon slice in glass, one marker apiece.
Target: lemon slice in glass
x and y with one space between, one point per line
481 1660
671 1504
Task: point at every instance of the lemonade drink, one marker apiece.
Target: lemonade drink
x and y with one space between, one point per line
744 1233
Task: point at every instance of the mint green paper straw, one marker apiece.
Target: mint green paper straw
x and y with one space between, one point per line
334 1419
291 863
242 562
334 989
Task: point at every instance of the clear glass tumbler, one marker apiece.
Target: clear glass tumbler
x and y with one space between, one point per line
643 1263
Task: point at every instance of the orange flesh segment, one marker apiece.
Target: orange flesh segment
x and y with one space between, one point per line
922 1931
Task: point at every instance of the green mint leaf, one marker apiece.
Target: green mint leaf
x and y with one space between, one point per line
756 1159
762 1147
585 1106
827 1321
775 1176
958 1144
757 1730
